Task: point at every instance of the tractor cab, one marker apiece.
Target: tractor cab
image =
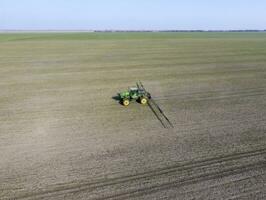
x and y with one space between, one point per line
134 92
133 89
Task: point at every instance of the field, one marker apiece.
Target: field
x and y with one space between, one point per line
64 136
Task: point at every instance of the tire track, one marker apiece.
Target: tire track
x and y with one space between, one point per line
184 127
223 184
246 194
175 170
202 96
251 89
185 181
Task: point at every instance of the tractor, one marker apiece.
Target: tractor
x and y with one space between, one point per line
134 93
140 94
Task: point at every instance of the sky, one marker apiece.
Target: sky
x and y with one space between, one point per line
132 14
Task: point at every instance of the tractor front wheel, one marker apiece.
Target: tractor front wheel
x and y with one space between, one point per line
125 102
143 101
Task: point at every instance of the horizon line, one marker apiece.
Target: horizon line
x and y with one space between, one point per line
131 30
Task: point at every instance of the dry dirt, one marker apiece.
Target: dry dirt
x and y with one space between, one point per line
64 136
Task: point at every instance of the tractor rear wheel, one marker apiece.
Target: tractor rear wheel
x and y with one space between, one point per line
125 102
143 100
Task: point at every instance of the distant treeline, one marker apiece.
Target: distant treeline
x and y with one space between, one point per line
113 31
180 30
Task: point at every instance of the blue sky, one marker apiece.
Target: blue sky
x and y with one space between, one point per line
132 14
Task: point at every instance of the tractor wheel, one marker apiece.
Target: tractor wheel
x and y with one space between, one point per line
125 102
143 100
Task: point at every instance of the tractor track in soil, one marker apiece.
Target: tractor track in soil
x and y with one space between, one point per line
166 123
201 96
186 173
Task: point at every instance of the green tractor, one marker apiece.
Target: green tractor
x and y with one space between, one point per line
134 93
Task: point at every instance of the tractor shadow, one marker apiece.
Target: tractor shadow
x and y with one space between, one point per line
117 99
